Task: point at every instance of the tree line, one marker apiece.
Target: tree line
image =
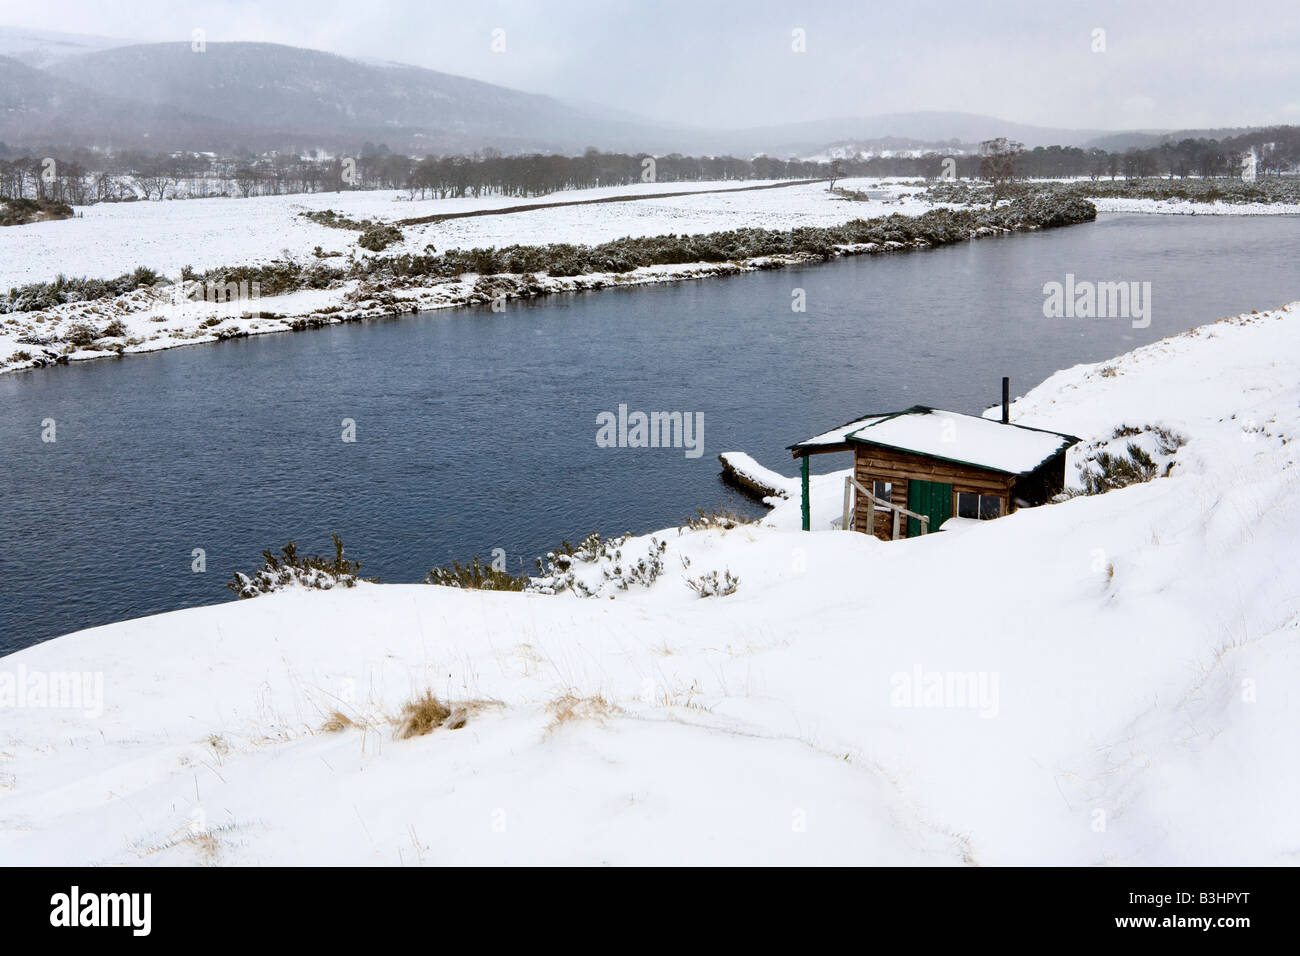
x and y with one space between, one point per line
81 177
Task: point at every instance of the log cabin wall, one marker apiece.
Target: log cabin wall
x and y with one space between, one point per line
1039 486
873 463
884 519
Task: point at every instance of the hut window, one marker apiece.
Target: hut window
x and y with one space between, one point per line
971 505
884 490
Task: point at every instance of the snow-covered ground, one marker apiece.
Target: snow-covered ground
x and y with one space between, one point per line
1112 679
1187 207
109 239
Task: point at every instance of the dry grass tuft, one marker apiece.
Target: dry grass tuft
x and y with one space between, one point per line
570 707
421 716
337 722
427 713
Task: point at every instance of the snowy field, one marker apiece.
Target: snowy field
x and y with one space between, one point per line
110 239
1186 207
1110 680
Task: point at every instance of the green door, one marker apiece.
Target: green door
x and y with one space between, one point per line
929 498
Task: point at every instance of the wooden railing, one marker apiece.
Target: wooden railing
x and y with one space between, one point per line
851 483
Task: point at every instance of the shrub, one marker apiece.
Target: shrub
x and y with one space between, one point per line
379 236
80 334
476 577
1118 471
42 296
290 569
144 276
17 212
1104 470
644 572
710 585
559 573
724 518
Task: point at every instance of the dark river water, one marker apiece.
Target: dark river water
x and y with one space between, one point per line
477 430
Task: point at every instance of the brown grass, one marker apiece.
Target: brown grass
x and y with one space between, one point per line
337 722
422 715
570 707
426 713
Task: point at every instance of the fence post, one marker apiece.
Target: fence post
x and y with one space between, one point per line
848 503
896 514
803 487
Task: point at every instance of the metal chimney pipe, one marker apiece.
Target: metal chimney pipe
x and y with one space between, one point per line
1006 400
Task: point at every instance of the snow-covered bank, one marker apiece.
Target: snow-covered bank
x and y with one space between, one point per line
151 319
77 320
1112 679
1186 207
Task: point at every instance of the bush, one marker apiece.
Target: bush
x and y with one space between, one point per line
1105 471
710 585
559 573
476 577
17 212
42 296
80 334
379 236
1118 471
290 569
724 518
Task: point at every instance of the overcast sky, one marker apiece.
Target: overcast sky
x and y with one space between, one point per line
1166 64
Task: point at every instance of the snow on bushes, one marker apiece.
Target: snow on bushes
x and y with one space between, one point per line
292 570
1146 453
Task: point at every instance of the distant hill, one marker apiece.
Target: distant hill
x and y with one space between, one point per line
927 128
305 96
38 109
40 48
1145 139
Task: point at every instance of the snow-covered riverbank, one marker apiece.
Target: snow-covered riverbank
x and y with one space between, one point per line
1187 207
112 239
165 312
1107 680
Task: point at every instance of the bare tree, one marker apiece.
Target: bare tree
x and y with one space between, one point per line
247 178
837 170
998 164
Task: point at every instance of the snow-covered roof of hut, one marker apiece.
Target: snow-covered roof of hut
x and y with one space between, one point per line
966 439
838 436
